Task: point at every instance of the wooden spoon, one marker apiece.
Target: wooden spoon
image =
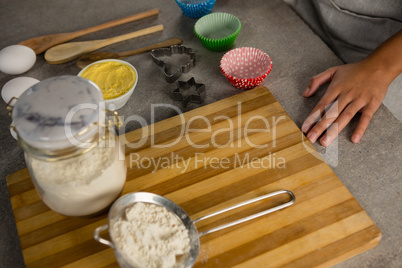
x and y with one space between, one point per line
41 43
73 50
92 57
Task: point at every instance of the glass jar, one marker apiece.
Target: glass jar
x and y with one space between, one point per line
71 148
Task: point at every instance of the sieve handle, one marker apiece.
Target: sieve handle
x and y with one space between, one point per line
265 212
99 238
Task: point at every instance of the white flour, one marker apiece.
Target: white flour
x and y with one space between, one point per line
81 185
150 236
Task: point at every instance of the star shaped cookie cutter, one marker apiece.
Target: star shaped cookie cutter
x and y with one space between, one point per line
193 98
180 49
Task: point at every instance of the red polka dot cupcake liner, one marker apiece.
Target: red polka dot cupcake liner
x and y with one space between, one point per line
246 67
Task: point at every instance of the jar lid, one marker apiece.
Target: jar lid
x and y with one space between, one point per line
59 112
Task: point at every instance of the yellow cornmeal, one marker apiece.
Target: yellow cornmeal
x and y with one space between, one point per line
113 78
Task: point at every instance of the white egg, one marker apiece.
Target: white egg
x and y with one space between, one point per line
16 59
15 87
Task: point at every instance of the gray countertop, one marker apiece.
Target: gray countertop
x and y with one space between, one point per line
371 170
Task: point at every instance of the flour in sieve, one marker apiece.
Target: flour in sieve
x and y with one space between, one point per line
150 236
81 185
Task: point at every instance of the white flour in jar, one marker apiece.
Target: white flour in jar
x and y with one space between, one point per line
150 236
82 185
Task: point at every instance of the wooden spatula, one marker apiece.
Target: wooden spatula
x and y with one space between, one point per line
87 59
73 50
41 43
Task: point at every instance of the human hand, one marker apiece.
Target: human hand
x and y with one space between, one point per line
352 88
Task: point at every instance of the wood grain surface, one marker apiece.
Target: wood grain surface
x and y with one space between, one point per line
205 160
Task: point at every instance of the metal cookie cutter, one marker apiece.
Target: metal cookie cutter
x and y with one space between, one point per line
193 98
160 52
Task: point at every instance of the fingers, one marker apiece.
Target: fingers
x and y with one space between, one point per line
327 120
340 123
334 122
363 124
319 80
329 97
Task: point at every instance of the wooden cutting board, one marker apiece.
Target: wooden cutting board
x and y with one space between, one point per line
209 158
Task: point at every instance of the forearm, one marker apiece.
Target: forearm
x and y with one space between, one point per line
386 59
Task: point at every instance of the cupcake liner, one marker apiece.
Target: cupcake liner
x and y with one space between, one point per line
196 8
246 67
217 31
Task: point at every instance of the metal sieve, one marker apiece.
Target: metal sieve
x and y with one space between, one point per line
119 206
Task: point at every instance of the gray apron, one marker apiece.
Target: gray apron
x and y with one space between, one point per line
351 28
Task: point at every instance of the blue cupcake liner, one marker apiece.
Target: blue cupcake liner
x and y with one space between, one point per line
196 9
